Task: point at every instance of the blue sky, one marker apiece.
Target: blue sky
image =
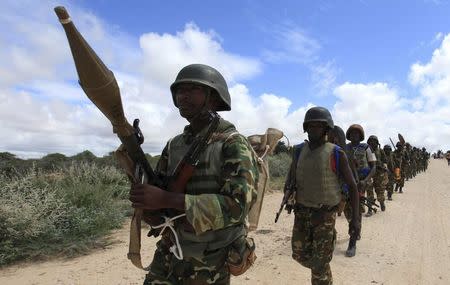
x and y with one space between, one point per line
366 41
377 63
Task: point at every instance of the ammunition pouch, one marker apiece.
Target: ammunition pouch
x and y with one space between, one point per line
241 256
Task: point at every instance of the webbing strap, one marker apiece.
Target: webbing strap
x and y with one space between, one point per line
134 249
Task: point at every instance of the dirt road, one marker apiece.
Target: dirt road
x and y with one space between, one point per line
407 244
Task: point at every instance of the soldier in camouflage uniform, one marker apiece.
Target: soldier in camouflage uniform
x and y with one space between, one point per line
317 172
390 166
381 168
407 161
399 162
218 196
362 160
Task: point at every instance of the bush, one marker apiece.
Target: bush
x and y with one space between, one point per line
65 211
279 164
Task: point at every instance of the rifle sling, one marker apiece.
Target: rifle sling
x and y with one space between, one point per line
134 249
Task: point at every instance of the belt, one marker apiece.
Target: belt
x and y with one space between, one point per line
321 208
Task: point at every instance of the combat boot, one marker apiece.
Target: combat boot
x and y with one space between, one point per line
382 206
369 212
390 196
400 190
351 250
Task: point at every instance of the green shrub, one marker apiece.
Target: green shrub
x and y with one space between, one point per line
65 211
279 164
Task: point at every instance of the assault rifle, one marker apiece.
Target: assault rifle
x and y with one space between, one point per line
369 204
100 86
362 199
285 200
289 188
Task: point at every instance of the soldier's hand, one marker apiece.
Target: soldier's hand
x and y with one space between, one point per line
147 196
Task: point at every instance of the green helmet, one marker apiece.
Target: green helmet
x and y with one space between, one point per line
387 147
357 127
339 134
207 76
373 138
318 114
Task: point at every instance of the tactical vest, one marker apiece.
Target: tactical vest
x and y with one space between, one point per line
205 180
360 155
317 183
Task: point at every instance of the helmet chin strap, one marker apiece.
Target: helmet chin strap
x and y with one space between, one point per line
204 111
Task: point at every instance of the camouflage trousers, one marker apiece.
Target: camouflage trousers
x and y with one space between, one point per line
390 185
166 269
401 181
313 242
379 188
348 208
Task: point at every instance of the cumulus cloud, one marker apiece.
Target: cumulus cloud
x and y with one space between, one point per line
433 78
172 52
43 109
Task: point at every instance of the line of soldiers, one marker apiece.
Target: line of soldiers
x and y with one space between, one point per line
317 168
211 237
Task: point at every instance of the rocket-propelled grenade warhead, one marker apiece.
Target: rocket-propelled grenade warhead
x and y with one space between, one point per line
97 81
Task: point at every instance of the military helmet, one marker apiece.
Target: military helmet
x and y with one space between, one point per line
355 127
374 138
207 76
398 144
318 114
340 135
387 147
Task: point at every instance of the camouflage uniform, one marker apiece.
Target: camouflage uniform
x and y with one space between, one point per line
358 154
217 201
399 163
313 233
313 241
378 178
390 166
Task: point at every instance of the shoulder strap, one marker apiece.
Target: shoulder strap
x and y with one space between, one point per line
337 157
297 150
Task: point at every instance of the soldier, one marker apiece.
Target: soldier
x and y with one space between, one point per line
212 236
407 161
399 162
390 166
363 161
381 168
337 136
317 167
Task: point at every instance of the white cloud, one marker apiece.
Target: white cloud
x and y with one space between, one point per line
324 77
43 110
291 44
382 112
171 52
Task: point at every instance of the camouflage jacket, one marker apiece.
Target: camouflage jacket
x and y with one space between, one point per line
222 198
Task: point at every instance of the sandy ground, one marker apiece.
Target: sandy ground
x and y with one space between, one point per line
407 244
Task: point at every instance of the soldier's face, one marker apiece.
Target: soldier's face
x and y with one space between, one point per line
316 131
191 98
354 136
373 144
